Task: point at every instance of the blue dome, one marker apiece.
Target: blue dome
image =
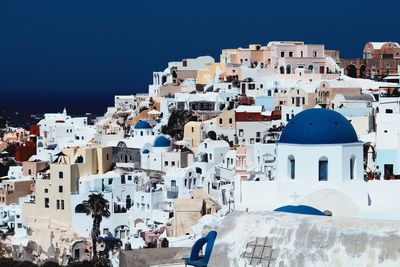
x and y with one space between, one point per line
146 151
300 209
162 141
143 125
318 126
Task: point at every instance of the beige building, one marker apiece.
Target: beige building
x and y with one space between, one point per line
187 212
193 133
196 131
300 98
211 73
12 190
52 205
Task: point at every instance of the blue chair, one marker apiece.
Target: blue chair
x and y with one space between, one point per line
195 258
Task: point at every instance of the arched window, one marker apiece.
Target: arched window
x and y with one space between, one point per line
291 167
79 159
288 69
323 169
310 68
282 69
352 166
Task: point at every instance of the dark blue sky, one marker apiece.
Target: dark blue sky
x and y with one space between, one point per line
83 52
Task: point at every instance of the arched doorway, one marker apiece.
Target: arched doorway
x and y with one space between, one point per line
351 71
362 71
331 200
128 202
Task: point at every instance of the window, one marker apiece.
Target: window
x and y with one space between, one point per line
185 182
288 69
192 129
173 163
79 159
352 162
107 156
230 120
323 169
60 175
29 172
46 202
301 53
166 163
19 225
129 177
60 189
122 179
105 231
46 190
269 93
282 54
292 167
241 132
290 54
315 54
58 204
258 134
220 121
62 204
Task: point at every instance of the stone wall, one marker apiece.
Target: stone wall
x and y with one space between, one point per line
283 239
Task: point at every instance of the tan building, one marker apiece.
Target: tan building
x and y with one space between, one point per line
380 59
327 91
52 205
187 212
193 133
208 74
12 190
196 131
33 168
300 98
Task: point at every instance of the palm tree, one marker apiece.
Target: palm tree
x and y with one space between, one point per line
98 207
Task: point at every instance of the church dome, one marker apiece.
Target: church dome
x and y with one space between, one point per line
318 126
162 141
143 125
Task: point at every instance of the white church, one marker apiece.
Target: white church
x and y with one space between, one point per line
319 163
